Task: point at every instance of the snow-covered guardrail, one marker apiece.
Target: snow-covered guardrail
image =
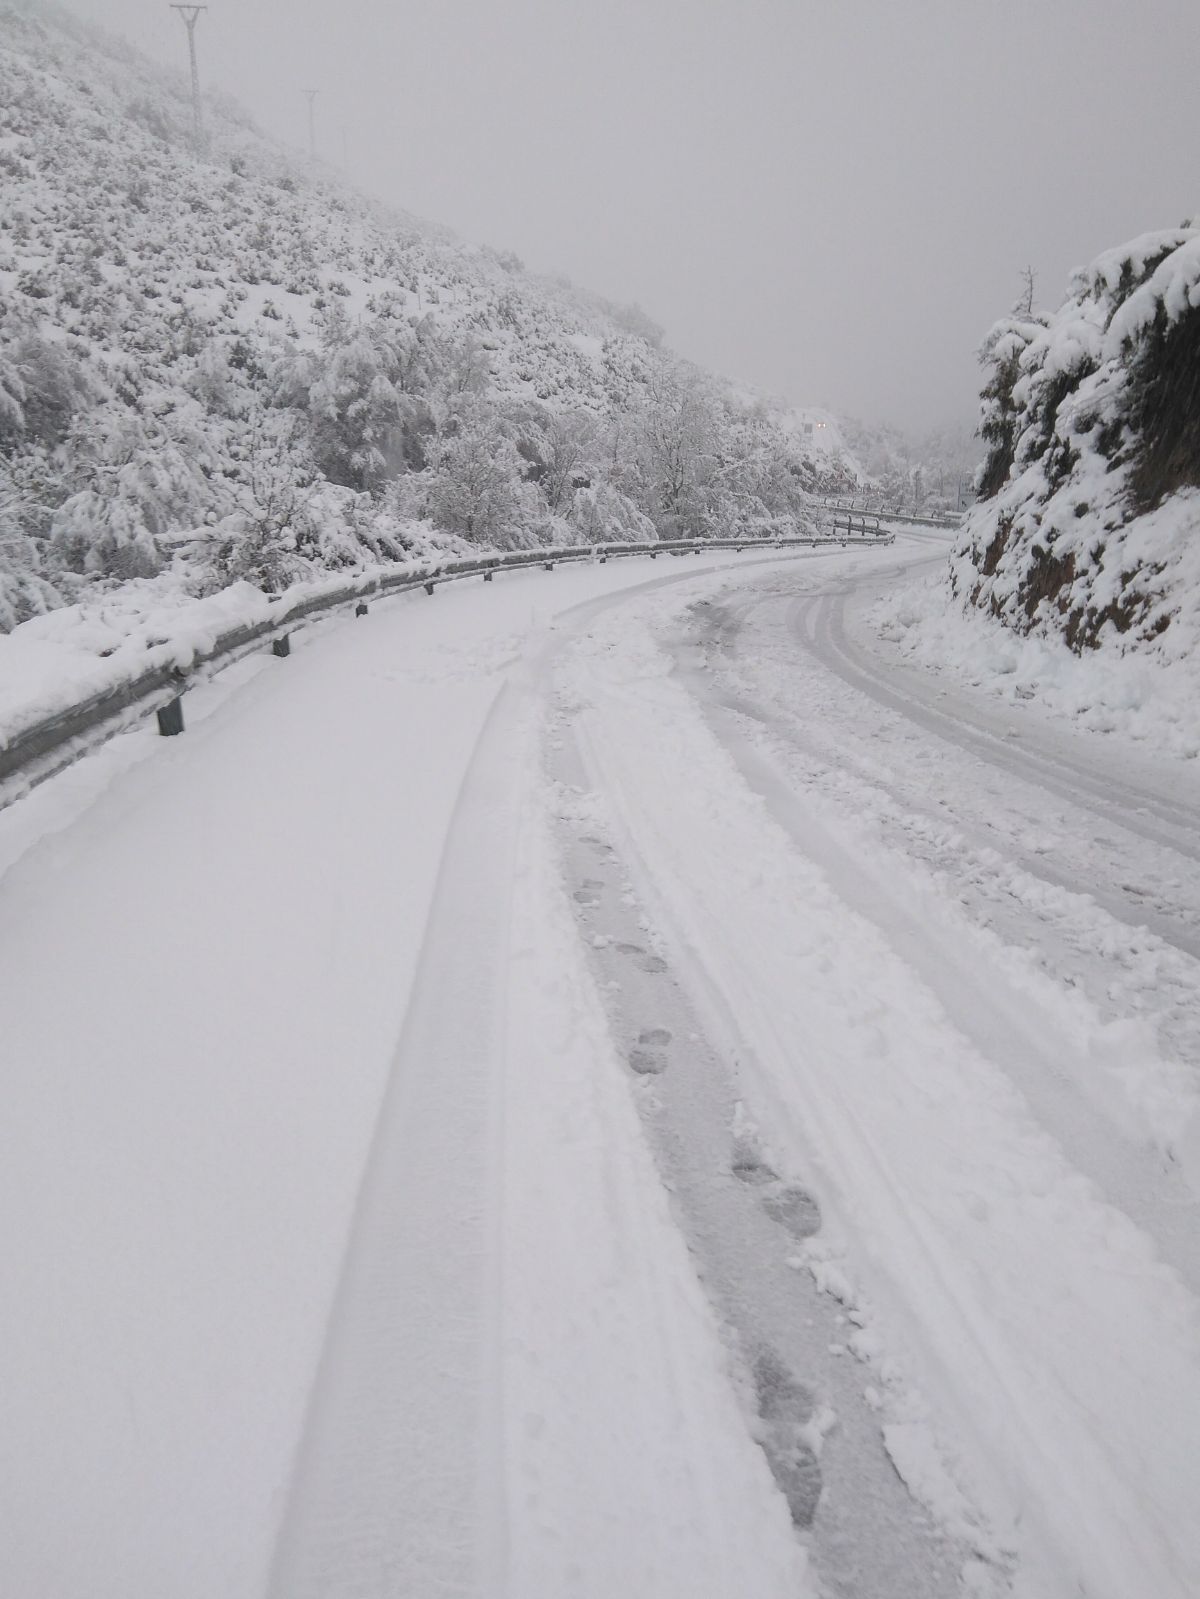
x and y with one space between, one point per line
856 524
946 519
920 521
34 749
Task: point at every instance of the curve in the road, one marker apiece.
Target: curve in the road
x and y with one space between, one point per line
819 622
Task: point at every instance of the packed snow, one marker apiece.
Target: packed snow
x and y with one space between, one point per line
604 1089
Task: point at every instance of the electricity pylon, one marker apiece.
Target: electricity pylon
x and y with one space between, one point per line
311 96
191 15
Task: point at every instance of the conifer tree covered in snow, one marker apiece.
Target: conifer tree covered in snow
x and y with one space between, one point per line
228 366
1088 521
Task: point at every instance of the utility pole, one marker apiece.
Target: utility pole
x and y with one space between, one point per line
191 15
311 96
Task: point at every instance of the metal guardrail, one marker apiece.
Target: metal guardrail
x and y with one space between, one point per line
848 524
950 522
45 747
947 519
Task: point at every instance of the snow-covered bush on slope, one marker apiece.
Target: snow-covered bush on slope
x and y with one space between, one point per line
1088 524
214 344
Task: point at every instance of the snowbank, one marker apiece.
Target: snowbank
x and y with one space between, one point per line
1136 695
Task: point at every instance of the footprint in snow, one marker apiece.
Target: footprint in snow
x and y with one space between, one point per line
795 1210
749 1167
648 962
786 1408
648 1057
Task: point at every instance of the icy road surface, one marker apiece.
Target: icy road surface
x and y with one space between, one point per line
603 1083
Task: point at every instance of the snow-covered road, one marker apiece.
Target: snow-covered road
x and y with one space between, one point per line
607 1082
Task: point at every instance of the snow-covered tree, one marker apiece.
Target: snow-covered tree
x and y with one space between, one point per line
137 482
676 437
602 513
1000 357
477 487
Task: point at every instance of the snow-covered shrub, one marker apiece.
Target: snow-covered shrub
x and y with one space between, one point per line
256 549
354 410
138 482
12 400
25 591
604 515
267 537
42 387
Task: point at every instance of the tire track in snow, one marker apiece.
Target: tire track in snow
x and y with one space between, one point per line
1044 1327
807 1397
1006 1025
1166 913
398 1484
1158 819
970 843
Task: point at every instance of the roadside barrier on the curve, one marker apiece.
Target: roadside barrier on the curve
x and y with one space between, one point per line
881 513
856 524
46 745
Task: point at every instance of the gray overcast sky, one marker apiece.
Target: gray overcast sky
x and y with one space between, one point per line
831 201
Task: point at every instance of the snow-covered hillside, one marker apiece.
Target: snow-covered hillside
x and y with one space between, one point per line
236 343
1088 525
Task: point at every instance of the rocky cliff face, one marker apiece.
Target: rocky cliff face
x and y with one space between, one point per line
1088 522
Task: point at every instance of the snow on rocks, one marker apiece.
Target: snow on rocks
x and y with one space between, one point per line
1088 525
1141 696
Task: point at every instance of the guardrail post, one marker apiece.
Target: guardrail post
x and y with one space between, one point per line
170 718
282 646
361 608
